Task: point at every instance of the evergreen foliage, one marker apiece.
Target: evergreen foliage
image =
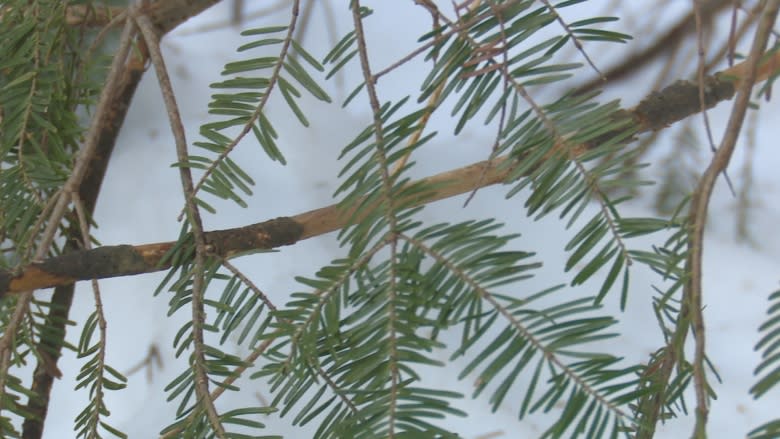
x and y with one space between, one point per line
345 352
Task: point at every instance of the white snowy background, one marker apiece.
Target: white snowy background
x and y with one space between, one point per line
141 199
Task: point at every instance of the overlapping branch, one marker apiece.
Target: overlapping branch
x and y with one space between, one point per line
84 185
700 205
656 111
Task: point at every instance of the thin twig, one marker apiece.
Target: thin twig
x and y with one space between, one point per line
198 283
96 390
700 204
151 360
573 38
701 65
70 187
728 49
127 260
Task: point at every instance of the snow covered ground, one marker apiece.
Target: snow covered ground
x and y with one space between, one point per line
141 200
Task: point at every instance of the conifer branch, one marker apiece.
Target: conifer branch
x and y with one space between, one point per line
390 215
195 223
657 111
46 370
71 186
84 186
519 326
692 298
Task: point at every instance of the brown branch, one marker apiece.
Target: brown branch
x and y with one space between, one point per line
659 371
692 297
88 189
655 112
667 42
46 369
198 361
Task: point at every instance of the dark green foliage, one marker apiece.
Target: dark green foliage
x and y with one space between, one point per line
344 351
770 343
242 105
39 66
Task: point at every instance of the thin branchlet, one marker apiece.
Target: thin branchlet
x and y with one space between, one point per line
692 296
199 365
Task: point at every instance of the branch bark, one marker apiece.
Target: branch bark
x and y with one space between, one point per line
656 111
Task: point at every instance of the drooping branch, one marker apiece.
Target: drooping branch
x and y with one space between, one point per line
108 119
658 110
88 191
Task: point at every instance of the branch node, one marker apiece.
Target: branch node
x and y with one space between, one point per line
262 236
680 100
